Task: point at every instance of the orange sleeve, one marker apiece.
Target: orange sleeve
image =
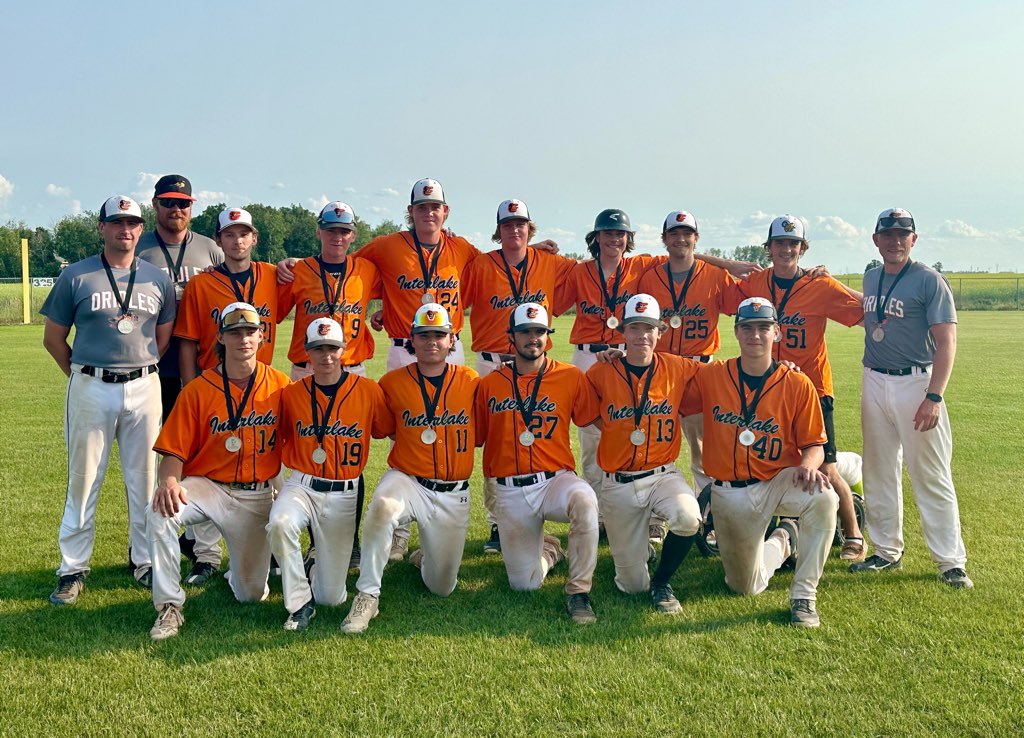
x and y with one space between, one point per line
481 416
843 307
692 403
285 300
383 422
176 437
565 295
585 409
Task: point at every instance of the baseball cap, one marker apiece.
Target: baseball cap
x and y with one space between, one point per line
895 219
756 310
324 332
120 207
431 318
679 219
427 190
234 216
239 315
512 210
336 215
786 226
642 309
174 185
529 315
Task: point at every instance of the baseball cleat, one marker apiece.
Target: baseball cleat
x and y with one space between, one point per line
364 609
803 615
553 551
665 599
854 549
876 563
200 574
145 579
68 588
579 608
356 558
299 620
957 578
493 545
656 533
416 558
399 548
168 623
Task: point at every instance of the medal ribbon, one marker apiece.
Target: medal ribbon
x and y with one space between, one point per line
332 302
320 429
638 410
239 295
681 300
879 302
428 270
747 413
781 306
235 415
429 405
174 267
123 304
517 291
527 412
609 299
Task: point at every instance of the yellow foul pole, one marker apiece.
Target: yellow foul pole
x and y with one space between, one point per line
26 295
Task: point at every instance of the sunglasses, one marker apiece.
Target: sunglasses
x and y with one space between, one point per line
236 317
174 202
890 222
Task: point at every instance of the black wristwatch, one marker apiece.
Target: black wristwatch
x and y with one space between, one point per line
933 397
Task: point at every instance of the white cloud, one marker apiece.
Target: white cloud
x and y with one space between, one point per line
318 202
959 229
377 210
836 226
388 192
647 238
145 182
58 190
758 217
349 190
278 186
76 207
212 196
560 236
6 187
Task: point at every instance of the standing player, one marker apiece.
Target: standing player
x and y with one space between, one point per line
122 310
909 349
763 435
220 450
327 420
432 404
524 411
804 304
640 396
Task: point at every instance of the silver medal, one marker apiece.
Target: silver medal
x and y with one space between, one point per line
319 455
179 290
125 325
427 298
612 322
526 438
233 444
428 436
637 437
675 321
878 335
747 437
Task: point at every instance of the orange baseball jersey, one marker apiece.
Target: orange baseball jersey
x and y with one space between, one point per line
786 420
208 293
711 290
397 258
803 315
582 289
358 412
197 428
450 456
350 293
563 397
618 396
486 287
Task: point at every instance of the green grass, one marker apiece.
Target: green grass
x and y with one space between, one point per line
897 654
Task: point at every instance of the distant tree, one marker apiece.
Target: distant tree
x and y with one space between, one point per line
752 252
937 266
76 236
715 252
872 264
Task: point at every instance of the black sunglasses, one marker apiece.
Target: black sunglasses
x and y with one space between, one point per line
174 202
890 222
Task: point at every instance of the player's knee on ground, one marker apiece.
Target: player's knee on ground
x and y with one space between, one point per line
582 509
633 579
526 580
330 596
249 589
440 585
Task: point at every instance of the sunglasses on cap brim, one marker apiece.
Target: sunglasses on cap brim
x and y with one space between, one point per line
240 318
174 202
890 222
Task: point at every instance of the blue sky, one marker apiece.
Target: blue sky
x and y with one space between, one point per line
737 112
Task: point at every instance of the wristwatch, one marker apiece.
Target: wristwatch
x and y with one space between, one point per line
933 397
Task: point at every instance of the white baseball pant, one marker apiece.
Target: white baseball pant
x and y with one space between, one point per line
742 516
850 467
96 414
627 508
483 368
888 405
240 516
521 512
299 373
443 519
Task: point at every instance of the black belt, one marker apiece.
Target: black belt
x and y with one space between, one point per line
327 485
900 372
244 486
635 476
701 359
525 480
497 358
436 486
406 342
736 483
116 377
596 348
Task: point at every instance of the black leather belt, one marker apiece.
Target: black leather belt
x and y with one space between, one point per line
596 348
635 476
525 480
436 486
117 377
244 486
736 483
900 372
327 485
497 358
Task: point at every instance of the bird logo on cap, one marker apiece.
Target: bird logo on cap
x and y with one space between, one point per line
179 184
680 217
428 189
124 204
897 213
788 226
235 215
531 312
323 329
431 314
513 207
641 307
339 211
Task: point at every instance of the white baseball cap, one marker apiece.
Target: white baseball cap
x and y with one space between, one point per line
120 207
427 190
324 332
239 315
235 216
679 219
892 219
529 315
431 317
786 226
642 309
756 310
336 214
512 210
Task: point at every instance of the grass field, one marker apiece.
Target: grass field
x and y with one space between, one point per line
897 654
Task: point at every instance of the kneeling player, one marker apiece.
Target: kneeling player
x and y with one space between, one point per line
524 410
326 424
763 439
431 402
221 437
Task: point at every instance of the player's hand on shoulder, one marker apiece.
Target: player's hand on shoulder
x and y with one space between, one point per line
743 269
927 415
169 497
210 269
546 245
285 275
789 364
819 271
377 320
812 480
609 355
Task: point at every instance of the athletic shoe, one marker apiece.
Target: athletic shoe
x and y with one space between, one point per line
68 588
876 563
553 551
299 620
145 580
356 558
792 528
399 548
579 608
188 547
168 623
656 532
803 615
665 599
364 609
493 545
854 549
957 578
416 558
200 574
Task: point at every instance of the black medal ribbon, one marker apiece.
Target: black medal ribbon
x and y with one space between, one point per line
429 404
239 295
123 304
638 409
429 270
332 300
747 412
609 299
681 300
879 302
517 290
320 428
524 411
780 307
174 267
235 414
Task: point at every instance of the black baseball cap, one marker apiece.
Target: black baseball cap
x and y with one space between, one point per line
174 185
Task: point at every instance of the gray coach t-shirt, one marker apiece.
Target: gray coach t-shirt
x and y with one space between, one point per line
82 298
921 299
